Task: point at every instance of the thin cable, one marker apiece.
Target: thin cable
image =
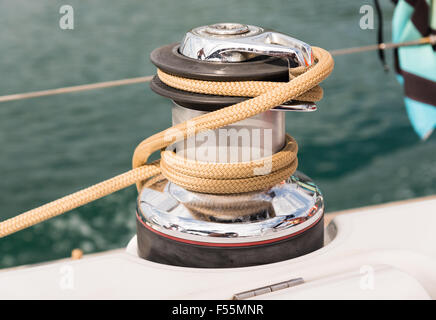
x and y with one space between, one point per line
84 87
100 85
385 46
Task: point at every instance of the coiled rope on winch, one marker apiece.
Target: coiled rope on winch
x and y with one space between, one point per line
202 177
226 178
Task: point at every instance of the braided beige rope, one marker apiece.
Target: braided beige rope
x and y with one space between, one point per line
238 88
225 178
76 199
270 96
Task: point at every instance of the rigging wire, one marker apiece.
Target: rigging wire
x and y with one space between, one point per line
84 87
107 84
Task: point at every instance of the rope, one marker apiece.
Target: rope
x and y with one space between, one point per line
75 200
100 85
237 88
142 172
225 178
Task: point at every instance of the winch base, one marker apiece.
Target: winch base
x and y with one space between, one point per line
162 249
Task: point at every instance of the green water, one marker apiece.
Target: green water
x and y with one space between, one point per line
359 147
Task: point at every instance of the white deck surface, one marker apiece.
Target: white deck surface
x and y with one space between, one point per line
383 252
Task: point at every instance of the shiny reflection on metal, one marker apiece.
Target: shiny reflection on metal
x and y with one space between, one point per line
297 107
268 128
227 29
230 42
285 209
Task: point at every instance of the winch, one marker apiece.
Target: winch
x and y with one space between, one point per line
209 229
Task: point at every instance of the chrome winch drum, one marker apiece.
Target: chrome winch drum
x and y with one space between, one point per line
184 228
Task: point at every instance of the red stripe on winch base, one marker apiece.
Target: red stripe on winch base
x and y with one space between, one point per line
211 244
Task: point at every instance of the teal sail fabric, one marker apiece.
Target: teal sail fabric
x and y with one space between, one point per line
416 65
